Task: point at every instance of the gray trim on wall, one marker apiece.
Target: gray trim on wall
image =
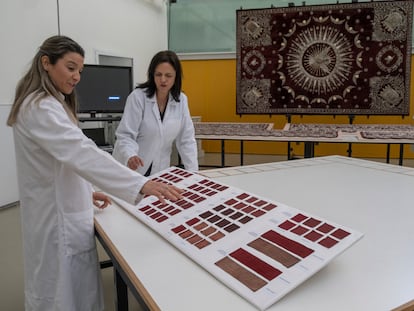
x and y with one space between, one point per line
14 204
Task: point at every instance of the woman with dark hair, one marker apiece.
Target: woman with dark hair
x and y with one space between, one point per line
56 167
156 114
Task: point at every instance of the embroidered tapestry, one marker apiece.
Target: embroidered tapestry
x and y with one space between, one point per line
351 58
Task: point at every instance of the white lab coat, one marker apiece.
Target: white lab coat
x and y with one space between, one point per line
56 164
141 132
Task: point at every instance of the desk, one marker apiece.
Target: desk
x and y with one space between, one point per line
309 134
376 273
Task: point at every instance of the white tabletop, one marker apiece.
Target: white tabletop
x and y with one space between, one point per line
376 273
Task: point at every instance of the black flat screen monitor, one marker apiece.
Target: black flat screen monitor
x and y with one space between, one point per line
104 89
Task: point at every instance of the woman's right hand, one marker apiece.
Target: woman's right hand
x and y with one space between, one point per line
134 162
162 191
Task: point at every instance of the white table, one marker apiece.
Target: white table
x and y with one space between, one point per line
242 132
377 273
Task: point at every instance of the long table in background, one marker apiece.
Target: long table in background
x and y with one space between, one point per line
376 273
309 134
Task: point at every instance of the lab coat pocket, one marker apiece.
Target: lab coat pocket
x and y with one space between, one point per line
78 232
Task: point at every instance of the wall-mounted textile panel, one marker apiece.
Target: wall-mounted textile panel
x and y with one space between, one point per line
349 59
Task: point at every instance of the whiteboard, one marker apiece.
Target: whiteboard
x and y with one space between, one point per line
195 24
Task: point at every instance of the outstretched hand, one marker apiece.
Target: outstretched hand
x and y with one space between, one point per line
135 162
101 200
162 191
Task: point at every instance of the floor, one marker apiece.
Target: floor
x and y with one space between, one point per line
11 287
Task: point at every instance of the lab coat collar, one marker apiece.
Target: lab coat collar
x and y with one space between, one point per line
171 100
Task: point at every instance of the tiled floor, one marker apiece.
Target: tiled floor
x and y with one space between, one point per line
11 285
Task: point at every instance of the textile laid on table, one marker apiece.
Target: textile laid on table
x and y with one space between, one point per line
351 58
256 130
232 128
365 131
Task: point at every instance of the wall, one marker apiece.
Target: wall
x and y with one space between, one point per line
117 28
211 89
37 19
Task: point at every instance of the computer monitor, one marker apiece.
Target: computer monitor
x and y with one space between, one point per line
104 89
97 135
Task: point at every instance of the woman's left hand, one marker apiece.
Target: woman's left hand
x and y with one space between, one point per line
101 200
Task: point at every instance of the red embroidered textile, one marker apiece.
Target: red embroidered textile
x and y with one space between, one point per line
351 58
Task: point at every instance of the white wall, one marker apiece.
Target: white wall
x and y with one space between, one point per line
129 28
132 28
23 25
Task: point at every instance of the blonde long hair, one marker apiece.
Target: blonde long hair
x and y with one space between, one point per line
37 80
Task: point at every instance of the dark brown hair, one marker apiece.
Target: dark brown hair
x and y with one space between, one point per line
163 57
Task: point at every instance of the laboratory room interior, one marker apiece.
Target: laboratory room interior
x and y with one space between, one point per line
120 39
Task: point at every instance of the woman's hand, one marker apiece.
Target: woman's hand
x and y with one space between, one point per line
101 200
162 191
134 162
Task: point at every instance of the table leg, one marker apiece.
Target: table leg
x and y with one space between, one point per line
106 264
288 151
241 152
388 153
349 150
309 149
222 153
401 154
121 297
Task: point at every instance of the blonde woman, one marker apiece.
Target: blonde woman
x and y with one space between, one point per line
56 167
